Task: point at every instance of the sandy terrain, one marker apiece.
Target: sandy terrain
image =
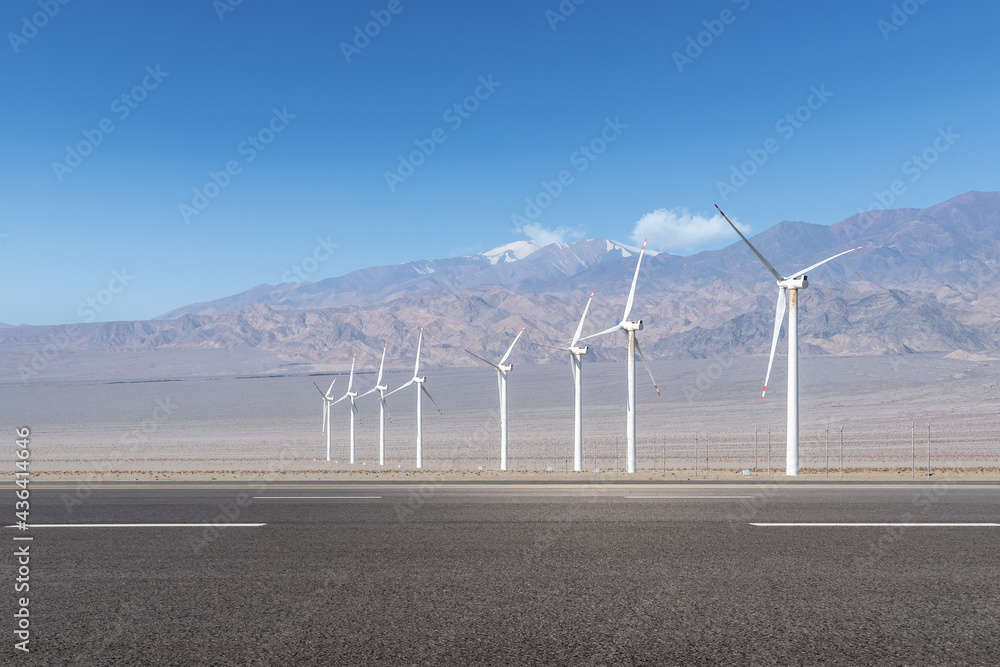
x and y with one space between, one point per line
191 416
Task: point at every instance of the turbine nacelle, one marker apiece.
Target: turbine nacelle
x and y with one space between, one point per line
505 368
419 380
794 283
381 387
577 351
631 326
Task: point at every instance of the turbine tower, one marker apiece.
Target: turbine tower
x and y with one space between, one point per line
327 399
576 366
380 388
354 408
502 371
792 284
421 390
631 327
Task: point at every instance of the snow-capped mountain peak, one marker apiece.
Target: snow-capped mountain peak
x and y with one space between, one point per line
628 250
511 252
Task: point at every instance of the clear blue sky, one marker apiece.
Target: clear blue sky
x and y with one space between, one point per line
323 175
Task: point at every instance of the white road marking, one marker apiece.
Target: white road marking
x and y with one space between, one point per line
687 497
32 526
317 497
885 525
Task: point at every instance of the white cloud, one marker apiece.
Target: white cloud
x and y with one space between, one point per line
679 230
544 236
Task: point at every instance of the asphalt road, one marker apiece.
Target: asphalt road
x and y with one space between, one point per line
510 575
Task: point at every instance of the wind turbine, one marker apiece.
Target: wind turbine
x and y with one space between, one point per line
576 366
502 371
326 413
421 389
380 388
792 284
354 409
630 327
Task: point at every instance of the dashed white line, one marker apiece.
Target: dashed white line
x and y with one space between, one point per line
317 497
32 526
687 497
882 525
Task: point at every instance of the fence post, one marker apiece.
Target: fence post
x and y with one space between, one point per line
754 451
928 450
828 452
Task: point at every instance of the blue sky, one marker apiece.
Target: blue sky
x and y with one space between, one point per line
641 109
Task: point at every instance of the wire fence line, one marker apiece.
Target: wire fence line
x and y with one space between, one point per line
900 448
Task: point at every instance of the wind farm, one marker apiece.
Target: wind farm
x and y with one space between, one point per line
764 241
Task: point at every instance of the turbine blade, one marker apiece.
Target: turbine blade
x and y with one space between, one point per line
331 388
350 382
779 316
402 386
420 341
639 350
770 268
385 408
504 358
553 347
381 364
370 391
631 293
579 327
601 333
319 390
339 399
424 389
805 271
484 360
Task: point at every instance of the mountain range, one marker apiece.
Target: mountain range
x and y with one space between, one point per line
924 280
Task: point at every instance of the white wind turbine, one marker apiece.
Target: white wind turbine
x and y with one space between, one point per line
791 284
327 399
380 388
576 365
630 327
421 389
354 408
502 371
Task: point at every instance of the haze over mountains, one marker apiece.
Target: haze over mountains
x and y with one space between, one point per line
927 280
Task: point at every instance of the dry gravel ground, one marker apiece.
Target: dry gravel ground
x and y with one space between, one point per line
233 415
